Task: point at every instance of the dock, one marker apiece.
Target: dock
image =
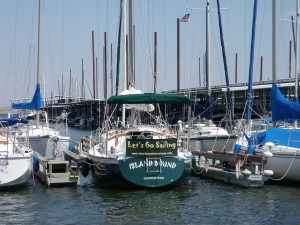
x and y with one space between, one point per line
239 169
59 172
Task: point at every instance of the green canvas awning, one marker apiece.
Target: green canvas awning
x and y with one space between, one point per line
149 99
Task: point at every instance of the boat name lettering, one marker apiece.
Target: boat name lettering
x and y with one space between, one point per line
136 165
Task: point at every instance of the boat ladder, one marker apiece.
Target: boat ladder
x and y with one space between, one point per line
153 166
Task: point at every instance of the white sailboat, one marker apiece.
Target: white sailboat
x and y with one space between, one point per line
204 134
15 158
49 144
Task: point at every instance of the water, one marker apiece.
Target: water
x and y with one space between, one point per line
199 201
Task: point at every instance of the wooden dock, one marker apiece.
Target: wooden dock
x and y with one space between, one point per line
239 169
54 172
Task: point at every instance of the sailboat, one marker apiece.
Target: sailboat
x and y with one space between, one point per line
139 154
281 141
204 134
48 144
15 158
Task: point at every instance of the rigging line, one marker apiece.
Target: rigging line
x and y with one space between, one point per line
283 38
215 48
11 52
260 40
191 64
149 60
145 41
20 67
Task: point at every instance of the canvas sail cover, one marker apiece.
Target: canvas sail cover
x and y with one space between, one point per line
279 136
12 121
283 109
36 102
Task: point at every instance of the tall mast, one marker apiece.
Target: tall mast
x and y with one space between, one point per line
251 67
124 57
208 60
82 81
39 56
131 51
297 54
274 26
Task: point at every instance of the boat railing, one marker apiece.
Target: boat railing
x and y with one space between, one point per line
9 136
293 136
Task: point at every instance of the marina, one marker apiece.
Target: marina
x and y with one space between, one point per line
111 141
271 204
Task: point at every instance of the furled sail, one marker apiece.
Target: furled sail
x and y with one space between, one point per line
36 102
283 109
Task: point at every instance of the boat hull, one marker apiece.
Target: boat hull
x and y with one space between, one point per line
15 170
206 143
285 166
140 171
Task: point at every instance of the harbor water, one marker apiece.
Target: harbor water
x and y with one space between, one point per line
199 201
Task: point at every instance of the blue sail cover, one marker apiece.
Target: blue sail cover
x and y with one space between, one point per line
279 136
12 121
36 102
283 109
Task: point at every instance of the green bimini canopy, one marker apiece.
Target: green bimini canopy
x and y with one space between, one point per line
149 98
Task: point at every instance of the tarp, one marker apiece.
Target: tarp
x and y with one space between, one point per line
283 109
280 136
12 121
36 102
149 99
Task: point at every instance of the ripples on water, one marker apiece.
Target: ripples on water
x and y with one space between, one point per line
200 201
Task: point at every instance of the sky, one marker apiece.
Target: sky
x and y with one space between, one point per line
66 41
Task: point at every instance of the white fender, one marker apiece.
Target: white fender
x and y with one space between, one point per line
268 154
268 172
246 172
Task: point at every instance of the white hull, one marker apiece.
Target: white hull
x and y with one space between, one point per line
15 169
285 165
47 142
212 144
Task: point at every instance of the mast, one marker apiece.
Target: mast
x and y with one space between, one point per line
105 67
111 73
39 56
274 25
208 61
297 54
251 66
228 105
131 74
82 81
178 55
124 57
155 61
296 58
94 75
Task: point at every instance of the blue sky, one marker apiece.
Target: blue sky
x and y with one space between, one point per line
67 39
